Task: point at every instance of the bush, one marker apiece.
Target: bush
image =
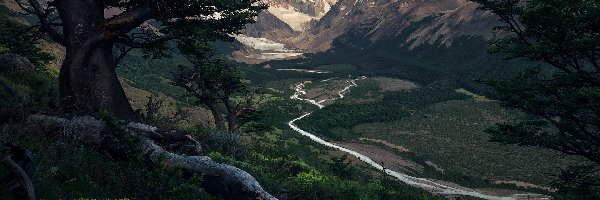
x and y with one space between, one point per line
228 143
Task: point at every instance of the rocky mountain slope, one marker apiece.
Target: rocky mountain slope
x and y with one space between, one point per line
433 21
288 18
301 15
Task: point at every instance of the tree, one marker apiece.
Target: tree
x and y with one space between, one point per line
16 38
214 82
88 81
562 92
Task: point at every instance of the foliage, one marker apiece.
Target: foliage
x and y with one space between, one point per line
294 178
337 120
22 92
213 80
465 60
227 143
342 167
17 38
62 167
562 93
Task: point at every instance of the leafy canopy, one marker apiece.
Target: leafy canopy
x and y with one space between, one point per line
561 92
17 38
150 25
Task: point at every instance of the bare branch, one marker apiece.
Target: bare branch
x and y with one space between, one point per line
124 22
124 52
45 22
21 176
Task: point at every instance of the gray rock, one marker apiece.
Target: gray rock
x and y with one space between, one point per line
15 62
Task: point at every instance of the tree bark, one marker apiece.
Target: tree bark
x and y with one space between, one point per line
231 115
15 162
21 176
88 81
214 109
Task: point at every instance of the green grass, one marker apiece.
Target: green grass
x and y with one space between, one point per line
336 121
444 125
451 135
280 158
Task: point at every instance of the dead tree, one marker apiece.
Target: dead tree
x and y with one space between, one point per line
152 107
15 160
167 148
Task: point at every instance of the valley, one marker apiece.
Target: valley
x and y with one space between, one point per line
387 160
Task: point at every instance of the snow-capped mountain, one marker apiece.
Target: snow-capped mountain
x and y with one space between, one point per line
312 25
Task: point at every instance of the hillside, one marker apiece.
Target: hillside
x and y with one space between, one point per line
64 164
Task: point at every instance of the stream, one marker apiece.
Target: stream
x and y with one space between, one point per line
423 183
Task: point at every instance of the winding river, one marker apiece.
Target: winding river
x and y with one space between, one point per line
423 183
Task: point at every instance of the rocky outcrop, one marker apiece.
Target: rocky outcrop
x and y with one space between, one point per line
269 26
285 19
15 62
315 8
430 21
378 20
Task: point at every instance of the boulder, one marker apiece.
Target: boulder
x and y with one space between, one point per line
15 62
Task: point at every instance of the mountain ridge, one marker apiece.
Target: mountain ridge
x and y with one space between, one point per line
384 19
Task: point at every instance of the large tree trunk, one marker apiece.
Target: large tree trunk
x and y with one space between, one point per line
90 85
88 82
231 115
214 109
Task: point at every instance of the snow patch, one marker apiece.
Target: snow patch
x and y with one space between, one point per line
262 44
296 20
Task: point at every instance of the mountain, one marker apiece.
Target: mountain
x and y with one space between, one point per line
269 27
288 18
317 23
300 15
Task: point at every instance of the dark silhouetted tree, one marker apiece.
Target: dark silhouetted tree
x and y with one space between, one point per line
91 29
562 92
215 82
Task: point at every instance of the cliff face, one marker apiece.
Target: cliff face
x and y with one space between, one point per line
316 8
300 15
316 23
279 25
269 26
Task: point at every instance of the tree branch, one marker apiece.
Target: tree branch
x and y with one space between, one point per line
46 24
124 22
123 54
21 176
126 40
